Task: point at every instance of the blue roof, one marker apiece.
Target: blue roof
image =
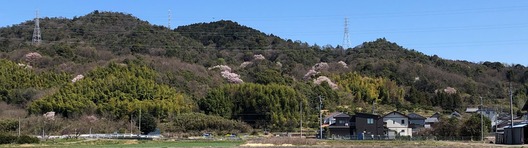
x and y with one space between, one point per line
517 126
416 116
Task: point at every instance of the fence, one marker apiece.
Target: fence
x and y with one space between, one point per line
406 138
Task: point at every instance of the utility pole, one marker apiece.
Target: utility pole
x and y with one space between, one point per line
139 121
300 108
373 107
36 31
511 108
43 124
346 39
131 130
497 115
320 117
481 121
19 127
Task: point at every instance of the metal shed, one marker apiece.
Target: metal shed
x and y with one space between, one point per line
516 135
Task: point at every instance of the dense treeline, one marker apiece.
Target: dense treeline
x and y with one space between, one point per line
459 128
115 91
21 84
265 106
200 123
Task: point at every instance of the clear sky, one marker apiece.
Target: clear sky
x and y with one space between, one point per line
472 30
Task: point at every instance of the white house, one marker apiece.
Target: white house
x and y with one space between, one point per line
397 124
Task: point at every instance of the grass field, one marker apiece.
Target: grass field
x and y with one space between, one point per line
267 142
130 143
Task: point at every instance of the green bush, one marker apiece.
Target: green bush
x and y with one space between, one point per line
8 125
197 122
24 139
7 139
27 139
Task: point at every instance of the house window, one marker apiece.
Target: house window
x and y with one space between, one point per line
403 122
403 131
370 121
341 121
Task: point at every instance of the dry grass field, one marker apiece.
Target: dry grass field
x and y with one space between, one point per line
259 142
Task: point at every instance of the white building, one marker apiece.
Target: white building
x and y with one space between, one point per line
397 124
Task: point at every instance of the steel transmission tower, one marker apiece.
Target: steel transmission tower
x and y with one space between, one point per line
36 31
169 20
346 40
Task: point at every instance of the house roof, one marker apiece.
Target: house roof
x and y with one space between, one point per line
337 114
436 115
415 116
471 110
431 120
516 126
395 112
342 115
525 107
365 115
455 114
331 115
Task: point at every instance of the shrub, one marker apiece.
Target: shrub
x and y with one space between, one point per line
7 139
25 139
197 122
8 125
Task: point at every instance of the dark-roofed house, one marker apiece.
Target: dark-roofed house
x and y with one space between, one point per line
416 122
525 107
367 126
455 114
338 125
431 121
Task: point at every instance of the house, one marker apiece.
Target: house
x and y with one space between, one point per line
455 114
431 121
329 119
367 126
416 122
490 114
337 124
397 124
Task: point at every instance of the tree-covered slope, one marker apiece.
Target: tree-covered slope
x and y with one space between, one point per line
116 91
174 69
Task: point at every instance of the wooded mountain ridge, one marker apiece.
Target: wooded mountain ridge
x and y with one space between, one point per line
223 68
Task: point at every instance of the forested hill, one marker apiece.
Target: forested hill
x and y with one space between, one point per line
201 67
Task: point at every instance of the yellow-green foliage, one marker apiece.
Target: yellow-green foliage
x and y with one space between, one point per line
369 89
115 90
19 83
14 76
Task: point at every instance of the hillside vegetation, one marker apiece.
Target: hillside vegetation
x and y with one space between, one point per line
112 65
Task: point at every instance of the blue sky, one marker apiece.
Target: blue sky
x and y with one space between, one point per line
472 30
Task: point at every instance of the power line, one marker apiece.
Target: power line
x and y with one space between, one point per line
376 31
360 15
